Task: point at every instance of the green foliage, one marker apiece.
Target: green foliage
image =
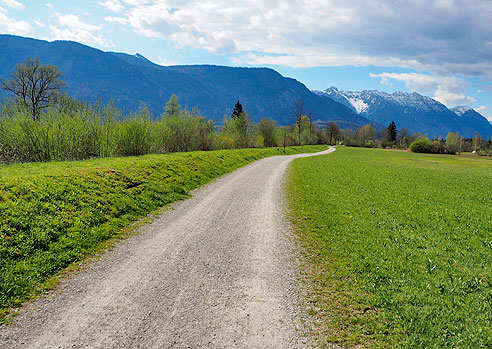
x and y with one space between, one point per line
73 130
239 130
66 134
422 145
56 136
397 247
52 214
172 108
181 133
267 128
454 142
136 136
364 136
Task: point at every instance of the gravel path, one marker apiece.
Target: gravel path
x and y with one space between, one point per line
216 271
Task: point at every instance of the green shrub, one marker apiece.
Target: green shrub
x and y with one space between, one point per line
136 136
422 145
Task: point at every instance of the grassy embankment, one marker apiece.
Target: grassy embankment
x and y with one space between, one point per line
52 214
398 247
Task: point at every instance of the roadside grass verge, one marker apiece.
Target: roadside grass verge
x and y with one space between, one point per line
53 214
397 247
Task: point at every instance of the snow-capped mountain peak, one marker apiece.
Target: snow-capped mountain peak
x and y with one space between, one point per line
331 90
461 109
359 105
411 111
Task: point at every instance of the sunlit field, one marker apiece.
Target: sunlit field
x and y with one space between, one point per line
398 246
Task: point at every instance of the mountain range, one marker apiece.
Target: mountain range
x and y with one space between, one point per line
128 80
412 111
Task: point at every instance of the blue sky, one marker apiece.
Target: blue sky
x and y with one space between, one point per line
439 48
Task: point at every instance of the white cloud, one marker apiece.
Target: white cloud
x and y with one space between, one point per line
482 110
12 26
136 2
112 5
72 28
318 59
165 62
450 91
223 27
73 21
451 99
77 35
119 20
39 23
445 3
48 4
446 37
14 4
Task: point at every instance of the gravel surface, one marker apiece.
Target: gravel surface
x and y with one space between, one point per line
215 271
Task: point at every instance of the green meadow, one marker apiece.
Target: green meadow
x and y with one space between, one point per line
397 247
53 214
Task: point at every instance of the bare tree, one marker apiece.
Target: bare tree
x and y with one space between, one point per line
366 133
35 86
298 113
454 142
477 142
332 131
403 137
310 128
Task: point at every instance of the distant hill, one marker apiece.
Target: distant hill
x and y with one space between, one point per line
412 111
128 80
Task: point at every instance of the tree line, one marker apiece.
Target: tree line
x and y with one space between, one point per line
38 122
391 137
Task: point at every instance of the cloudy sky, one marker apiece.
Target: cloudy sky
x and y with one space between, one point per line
439 48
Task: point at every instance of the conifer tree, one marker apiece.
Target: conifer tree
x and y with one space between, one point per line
392 132
238 110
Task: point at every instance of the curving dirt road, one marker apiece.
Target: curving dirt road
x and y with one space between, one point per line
216 271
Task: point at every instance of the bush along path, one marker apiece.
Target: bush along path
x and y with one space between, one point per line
52 214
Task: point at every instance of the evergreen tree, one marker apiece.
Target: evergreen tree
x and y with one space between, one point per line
238 110
392 132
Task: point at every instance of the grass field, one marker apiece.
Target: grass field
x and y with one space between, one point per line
398 247
52 214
